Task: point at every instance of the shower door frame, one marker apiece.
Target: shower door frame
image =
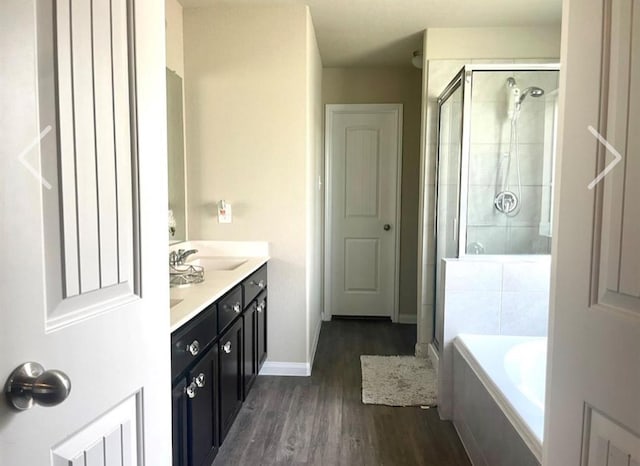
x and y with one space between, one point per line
458 82
468 71
464 79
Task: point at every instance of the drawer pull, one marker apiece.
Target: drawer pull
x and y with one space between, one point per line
192 390
199 380
227 347
237 308
261 284
193 348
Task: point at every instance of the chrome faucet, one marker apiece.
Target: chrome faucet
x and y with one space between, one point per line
178 257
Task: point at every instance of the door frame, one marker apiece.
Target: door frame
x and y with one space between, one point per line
330 111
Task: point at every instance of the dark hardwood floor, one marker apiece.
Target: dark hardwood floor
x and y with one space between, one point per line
320 420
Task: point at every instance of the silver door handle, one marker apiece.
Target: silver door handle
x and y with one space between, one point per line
30 384
227 347
386 227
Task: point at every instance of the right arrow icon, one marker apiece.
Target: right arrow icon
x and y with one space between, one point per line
611 149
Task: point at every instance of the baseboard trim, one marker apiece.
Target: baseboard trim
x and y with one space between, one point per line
296 369
407 319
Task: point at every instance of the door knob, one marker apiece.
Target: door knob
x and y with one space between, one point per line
386 227
30 384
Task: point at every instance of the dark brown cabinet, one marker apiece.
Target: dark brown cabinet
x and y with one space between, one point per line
202 404
261 330
194 367
215 359
179 415
231 378
250 363
229 307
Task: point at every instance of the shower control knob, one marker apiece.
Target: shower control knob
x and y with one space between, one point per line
386 227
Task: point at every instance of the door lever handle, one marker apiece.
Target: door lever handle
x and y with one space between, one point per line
30 384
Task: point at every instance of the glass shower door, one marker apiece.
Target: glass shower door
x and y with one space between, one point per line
450 116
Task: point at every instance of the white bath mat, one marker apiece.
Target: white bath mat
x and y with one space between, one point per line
398 381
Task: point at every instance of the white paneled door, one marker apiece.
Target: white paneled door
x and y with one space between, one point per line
83 285
593 390
363 151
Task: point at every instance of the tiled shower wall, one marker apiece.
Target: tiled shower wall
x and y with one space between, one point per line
498 297
489 230
439 74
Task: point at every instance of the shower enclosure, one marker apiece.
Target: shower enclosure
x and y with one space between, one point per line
496 151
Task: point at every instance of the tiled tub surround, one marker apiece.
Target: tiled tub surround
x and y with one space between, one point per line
191 300
506 295
498 407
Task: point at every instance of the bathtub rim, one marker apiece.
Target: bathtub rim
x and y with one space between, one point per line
517 421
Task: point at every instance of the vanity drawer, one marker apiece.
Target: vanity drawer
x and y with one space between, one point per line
254 284
190 341
229 307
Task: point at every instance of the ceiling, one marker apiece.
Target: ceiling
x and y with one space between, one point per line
385 32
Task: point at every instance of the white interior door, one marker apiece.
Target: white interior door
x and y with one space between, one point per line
593 405
83 283
363 150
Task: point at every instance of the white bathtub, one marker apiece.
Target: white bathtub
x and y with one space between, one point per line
513 372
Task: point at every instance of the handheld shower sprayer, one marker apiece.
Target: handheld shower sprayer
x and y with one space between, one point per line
533 91
507 201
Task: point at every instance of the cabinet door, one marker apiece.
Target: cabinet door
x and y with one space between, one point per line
250 364
231 380
179 423
201 392
261 330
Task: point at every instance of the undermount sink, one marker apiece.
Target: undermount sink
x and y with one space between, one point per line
217 263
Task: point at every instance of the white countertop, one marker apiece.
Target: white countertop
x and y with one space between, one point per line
195 298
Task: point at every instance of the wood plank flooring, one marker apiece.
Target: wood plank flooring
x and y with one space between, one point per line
320 420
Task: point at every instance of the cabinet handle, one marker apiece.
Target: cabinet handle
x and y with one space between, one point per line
193 348
192 390
227 347
199 380
261 307
261 284
237 308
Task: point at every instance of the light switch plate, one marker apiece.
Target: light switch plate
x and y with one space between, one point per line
224 212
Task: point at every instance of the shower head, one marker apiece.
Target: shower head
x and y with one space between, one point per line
534 91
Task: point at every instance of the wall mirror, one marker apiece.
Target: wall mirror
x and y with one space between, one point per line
177 222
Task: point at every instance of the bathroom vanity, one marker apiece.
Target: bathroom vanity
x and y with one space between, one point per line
218 345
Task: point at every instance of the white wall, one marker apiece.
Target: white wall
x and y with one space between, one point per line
446 51
247 82
369 85
315 196
175 41
496 42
